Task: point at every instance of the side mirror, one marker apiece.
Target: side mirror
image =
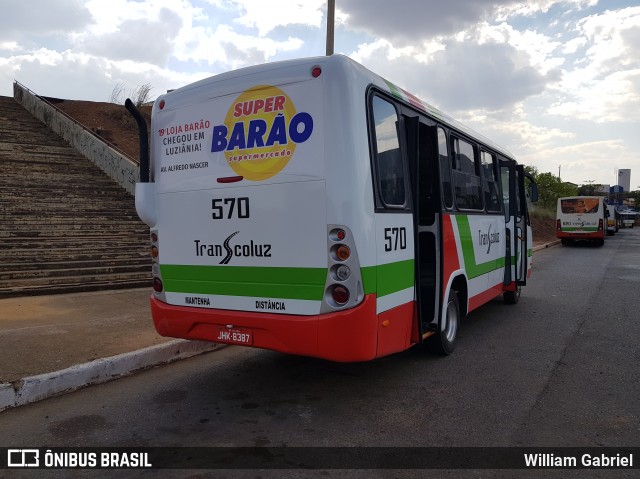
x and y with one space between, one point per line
533 192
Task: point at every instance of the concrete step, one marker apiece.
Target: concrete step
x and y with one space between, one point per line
64 224
34 290
113 270
75 278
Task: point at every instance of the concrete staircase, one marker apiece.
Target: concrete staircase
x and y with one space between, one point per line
64 225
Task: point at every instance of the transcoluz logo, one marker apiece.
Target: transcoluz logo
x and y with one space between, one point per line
260 132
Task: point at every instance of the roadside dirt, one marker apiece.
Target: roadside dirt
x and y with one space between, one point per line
109 121
544 229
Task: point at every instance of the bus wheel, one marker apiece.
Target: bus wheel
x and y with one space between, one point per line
512 297
444 341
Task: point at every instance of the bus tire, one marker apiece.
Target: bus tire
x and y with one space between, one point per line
444 341
512 297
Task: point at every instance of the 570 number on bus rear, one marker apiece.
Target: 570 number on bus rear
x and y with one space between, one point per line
230 208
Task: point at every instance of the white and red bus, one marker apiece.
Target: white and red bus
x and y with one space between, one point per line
314 208
581 218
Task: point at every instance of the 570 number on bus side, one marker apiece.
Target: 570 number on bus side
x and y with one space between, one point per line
395 239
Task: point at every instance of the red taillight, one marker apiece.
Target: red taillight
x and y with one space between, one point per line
157 285
154 237
316 72
162 104
154 251
558 225
340 295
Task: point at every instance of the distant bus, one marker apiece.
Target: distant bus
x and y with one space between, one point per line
628 219
314 208
581 218
612 220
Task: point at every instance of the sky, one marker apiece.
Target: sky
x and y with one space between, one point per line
556 82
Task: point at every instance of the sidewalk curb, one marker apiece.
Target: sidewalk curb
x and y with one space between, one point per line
42 386
546 245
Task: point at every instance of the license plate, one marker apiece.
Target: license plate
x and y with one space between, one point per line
234 336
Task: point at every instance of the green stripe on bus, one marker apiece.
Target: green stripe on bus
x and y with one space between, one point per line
388 278
395 91
587 229
284 283
466 241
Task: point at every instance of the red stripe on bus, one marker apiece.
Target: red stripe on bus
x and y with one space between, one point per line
395 328
484 297
451 261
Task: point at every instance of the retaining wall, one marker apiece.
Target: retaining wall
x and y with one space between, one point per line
118 167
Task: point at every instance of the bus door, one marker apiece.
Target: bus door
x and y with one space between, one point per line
422 149
516 219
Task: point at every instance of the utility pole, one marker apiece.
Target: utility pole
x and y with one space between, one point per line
559 178
331 9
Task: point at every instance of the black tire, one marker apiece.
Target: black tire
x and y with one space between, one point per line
512 297
444 341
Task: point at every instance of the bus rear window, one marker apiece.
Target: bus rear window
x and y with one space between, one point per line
579 205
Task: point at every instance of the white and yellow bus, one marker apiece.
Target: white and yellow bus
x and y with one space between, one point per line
311 207
581 218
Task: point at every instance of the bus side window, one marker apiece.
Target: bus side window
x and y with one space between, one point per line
445 170
489 183
466 175
388 158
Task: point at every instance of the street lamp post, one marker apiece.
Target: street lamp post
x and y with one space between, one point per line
331 7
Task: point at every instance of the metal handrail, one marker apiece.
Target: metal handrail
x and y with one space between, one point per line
84 127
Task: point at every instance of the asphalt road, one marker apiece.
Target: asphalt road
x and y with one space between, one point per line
560 368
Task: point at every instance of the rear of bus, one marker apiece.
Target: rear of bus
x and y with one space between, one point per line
250 244
581 218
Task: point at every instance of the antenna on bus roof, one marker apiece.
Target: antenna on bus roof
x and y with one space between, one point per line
331 8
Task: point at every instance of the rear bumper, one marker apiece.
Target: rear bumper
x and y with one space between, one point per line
345 336
578 235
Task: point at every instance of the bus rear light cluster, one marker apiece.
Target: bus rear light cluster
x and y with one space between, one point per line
344 284
600 225
155 267
558 225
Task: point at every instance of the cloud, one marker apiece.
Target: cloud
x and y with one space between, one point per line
413 21
461 76
604 85
266 16
583 162
42 18
144 40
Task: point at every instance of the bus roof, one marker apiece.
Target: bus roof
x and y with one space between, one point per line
345 62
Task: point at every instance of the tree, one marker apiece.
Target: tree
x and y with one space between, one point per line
588 188
550 188
139 95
